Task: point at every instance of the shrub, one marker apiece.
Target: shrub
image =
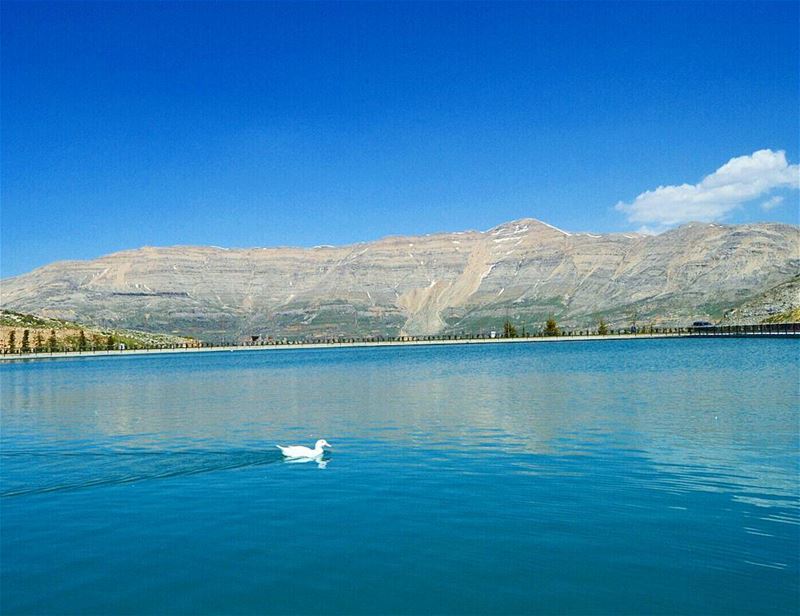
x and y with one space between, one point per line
509 331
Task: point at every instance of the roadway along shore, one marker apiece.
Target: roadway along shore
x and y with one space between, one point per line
341 345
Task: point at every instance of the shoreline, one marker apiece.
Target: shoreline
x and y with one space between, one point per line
376 343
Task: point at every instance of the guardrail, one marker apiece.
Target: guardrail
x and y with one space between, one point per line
763 329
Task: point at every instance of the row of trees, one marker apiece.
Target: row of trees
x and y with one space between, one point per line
550 329
52 344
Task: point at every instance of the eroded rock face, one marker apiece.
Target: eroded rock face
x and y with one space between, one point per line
450 282
777 304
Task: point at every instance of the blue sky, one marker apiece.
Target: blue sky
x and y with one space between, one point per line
260 124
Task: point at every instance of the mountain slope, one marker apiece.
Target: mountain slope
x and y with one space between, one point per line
420 285
67 334
778 304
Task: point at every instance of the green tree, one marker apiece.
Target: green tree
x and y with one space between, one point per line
551 327
39 345
509 331
25 347
12 341
52 344
82 341
110 342
602 327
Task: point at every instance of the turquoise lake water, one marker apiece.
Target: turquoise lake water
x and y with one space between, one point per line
608 477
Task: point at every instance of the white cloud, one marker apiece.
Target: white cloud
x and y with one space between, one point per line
738 181
772 203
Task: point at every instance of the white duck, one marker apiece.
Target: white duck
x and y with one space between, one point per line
298 451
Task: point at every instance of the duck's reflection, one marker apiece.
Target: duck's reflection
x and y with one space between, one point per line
322 462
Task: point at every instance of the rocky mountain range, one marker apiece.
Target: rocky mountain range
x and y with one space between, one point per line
524 271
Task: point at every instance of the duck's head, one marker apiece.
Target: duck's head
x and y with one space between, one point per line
322 443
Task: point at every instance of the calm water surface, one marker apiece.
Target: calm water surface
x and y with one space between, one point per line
583 477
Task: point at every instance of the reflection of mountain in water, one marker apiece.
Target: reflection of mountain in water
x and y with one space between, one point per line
711 415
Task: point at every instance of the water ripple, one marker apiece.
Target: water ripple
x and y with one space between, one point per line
109 468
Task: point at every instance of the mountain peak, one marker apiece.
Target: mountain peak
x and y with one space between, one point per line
524 225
